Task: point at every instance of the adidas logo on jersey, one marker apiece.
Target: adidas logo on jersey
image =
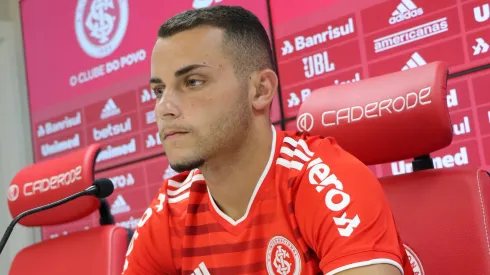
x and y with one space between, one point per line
298 157
415 61
201 270
405 10
119 206
110 109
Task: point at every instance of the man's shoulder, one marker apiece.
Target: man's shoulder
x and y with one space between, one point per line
308 160
305 140
298 148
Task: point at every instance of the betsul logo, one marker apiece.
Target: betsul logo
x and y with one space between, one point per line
100 25
13 192
305 122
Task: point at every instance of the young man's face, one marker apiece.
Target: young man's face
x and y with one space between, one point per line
202 107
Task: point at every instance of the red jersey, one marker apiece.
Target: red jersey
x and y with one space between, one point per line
316 209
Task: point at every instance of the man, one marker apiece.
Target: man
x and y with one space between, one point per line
252 200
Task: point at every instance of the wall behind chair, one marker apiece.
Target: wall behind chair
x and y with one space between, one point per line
15 136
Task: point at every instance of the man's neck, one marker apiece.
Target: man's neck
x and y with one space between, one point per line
232 178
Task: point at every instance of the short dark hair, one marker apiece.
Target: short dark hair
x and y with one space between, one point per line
245 38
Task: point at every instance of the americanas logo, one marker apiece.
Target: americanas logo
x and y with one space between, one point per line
100 25
405 10
199 4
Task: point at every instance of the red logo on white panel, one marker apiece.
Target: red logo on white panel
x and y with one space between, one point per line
100 25
282 257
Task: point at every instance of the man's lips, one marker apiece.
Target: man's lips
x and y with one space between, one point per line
173 134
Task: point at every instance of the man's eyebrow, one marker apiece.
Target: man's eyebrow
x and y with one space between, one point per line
179 72
155 80
188 68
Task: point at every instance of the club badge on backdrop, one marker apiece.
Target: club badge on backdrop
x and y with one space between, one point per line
199 4
100 25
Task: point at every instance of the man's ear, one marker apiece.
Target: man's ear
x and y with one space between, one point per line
265 89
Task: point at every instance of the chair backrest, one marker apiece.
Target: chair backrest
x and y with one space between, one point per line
442 214
98 251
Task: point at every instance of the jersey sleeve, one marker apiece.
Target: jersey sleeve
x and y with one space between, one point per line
148 252
343 214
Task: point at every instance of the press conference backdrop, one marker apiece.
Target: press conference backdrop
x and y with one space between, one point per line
88 76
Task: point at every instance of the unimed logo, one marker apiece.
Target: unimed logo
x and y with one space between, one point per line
460 158
56 146
111 152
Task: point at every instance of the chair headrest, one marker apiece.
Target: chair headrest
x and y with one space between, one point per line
52 180
386 118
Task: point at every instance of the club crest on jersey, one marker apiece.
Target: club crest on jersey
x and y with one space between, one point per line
414 261
282 257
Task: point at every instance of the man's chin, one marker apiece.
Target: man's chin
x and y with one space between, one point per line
182 166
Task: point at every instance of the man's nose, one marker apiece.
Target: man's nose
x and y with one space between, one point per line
167 107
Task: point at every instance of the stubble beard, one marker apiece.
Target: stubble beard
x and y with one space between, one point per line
225 137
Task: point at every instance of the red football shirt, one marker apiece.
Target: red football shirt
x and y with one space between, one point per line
316 209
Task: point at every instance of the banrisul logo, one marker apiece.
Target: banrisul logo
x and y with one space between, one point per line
100 25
